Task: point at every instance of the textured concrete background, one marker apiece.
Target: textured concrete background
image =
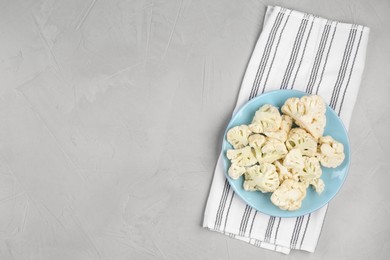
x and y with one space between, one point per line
111 116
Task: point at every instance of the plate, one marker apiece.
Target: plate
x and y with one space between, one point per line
332 177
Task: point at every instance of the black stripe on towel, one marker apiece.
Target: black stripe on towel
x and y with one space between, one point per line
343 66
277 230
318 58
268 232
267 50
303 53
350 73
295 230
244 220
294 52
326 58
275 53
228 210
245 226
222 203
253 221
298 232
304 232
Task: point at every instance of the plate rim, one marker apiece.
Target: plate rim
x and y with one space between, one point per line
230 180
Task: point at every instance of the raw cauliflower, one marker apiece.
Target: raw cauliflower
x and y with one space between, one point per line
289 195
318 185
238 136
331 152
272 150
261 177
308 112
257 141
286 123
314 103
267 118
236 171
315 120
242 157
302 140
283 172
293 107
294 160
311 170
274 157
282 133
267 149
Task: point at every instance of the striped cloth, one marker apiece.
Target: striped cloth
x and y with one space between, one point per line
295 51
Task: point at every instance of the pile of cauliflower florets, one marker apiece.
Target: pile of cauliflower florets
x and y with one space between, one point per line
276 157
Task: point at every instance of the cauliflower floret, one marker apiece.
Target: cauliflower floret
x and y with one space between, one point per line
299 138
314 103
238 136
261 177
257 141
314 125
311 170
293 107
272 150
286 123
242 157
308 112
236 171
294 160
279 135
283 172
267 118
282 133
267 149
318 185
331 152
289 195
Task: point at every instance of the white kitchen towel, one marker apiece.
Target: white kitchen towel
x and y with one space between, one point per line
294 51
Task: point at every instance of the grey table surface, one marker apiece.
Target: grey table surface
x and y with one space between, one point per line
111 116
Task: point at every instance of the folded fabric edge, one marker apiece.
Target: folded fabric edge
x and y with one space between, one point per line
255 242
300 14
282 246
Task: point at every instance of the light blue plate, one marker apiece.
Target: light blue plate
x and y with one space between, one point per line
333 178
